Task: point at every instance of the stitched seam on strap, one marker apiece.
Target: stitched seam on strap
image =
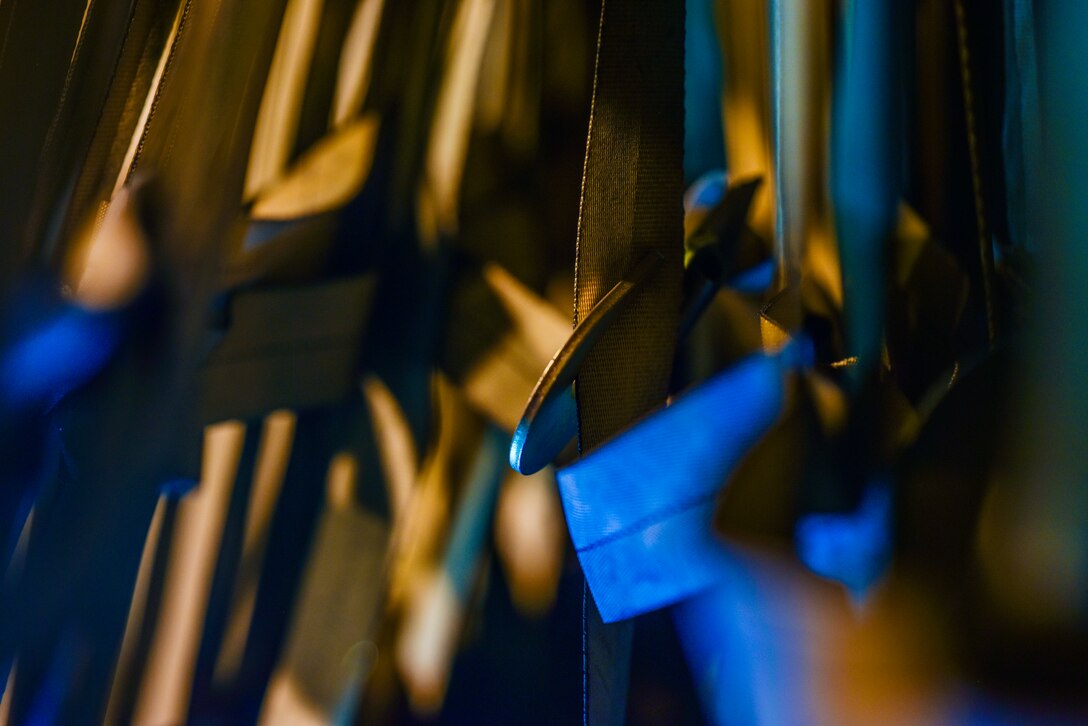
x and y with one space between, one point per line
985 246
647 521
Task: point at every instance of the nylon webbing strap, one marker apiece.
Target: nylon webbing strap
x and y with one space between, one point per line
102 58
631 206
124 433
101 156
38 43
293 346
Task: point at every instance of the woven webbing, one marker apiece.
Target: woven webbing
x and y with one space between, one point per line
631 206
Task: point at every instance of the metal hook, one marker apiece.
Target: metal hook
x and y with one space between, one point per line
550 420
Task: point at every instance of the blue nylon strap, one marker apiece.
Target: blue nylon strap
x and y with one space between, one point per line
639 508
852 548
744 649
64 351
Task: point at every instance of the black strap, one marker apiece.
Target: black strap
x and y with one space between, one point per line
37 42
295 529
288 347
93 129
320 90
631 206
123 433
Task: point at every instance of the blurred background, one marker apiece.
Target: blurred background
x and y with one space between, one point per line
543 361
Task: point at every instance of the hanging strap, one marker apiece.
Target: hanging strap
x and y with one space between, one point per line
39 46
105 497
642 548
1021 132
630 207
865 171
288 347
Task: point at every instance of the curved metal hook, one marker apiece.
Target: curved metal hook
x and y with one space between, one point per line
550 419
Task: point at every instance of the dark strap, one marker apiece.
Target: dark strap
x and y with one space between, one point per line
499 336
93 129
37 43
106 56
123 434
1022 135
317 100
288 347
631 207
298 526
865 172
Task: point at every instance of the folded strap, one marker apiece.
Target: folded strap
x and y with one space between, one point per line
639 509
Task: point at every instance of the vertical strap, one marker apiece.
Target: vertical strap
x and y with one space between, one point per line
747 122
38 41
982 226
1021 133
865 171
124 432
799 55
98 159
631 206
317 100
106 53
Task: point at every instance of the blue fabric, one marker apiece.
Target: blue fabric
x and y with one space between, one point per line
60 354
46 707
748 647
754 280
851 548
178 488
706 191
743 649
639 508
